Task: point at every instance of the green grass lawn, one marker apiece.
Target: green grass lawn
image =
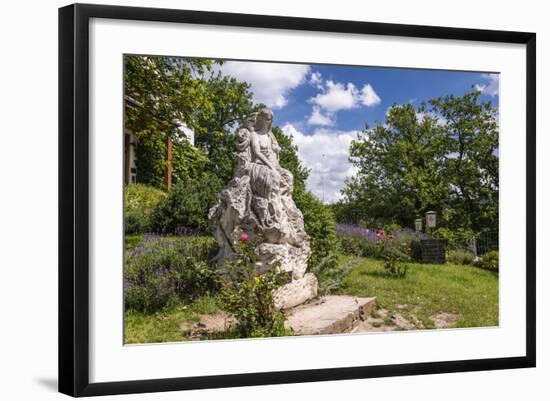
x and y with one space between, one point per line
468 293
164 326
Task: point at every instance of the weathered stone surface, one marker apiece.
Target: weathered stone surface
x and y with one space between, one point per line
258 200
296 292
331 314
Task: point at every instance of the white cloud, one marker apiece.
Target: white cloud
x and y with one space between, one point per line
318 118
491 87
316 79
326 153
337 97
271 82
368 96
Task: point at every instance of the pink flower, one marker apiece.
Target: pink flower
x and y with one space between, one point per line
243 237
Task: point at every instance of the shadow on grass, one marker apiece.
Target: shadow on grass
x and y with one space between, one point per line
382 274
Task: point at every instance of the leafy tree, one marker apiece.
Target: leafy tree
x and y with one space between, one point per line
163 92
438 156
400 166
231 102
471 164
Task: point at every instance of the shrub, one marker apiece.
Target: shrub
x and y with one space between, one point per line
460 257
460 238
319 224
187 205
357 246
160 270
392 227
187 160
489 261
330 276
139 202
395 254
359 241
249 296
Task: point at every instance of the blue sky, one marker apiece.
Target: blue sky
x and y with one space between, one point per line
323 106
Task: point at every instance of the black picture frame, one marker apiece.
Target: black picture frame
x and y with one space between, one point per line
74 198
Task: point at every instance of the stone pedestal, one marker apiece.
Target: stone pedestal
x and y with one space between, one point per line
296 292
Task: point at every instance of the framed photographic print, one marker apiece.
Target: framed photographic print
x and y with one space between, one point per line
251 199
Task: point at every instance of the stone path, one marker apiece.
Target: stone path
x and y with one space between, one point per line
330 314
380 321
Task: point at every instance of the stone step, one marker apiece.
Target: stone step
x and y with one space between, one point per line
331 314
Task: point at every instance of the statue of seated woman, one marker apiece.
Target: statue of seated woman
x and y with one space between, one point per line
259 200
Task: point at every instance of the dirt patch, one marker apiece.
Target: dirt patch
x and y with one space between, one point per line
402 323
381 320
444 320
209 324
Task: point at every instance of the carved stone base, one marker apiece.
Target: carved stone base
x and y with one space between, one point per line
296 292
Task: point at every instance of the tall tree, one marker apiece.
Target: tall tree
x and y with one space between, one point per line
441 156
230 102
471 164
400 165
163 92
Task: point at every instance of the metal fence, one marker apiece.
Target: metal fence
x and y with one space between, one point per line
485 242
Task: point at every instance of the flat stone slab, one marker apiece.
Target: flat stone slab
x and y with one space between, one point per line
331 314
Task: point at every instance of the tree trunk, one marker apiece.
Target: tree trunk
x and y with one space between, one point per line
168 169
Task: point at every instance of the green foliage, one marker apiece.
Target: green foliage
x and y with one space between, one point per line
439 156
160 271
460 257
331 275
249 296
320 225
459 238
354 245
392 227
150 153
489 261
187 205
187 161
471 128
230 102
399 165
164 92
395 255
139 203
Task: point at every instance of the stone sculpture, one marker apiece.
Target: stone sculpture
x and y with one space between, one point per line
259 200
